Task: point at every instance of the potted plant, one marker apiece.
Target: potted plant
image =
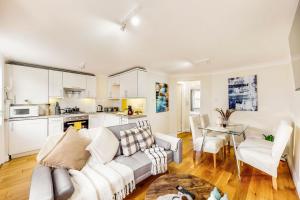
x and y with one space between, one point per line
225 115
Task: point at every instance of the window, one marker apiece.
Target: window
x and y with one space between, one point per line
195 100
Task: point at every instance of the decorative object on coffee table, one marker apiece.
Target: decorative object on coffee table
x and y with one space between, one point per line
167 184
225 115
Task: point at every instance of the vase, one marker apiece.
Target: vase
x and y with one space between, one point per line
224 123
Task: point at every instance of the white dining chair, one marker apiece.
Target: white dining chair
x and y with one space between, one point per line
204 142
265 155
204 119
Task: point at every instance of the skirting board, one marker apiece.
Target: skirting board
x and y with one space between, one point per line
295 178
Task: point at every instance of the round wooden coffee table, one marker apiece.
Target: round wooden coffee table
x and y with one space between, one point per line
166 184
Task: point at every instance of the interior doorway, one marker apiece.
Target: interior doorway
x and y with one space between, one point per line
188 103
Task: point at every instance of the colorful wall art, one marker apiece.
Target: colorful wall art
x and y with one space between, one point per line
162 97
242 93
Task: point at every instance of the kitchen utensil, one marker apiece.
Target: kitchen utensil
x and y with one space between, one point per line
99 108
57 109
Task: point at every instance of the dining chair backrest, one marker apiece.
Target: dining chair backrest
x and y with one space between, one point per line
204 120
194 123
282 136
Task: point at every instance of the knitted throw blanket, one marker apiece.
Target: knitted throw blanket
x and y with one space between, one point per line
159 159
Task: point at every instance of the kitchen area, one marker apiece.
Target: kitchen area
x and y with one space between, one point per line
41 101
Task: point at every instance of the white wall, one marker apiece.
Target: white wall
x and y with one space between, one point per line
159 121
3 157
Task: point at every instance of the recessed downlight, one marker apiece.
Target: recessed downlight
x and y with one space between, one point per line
135 21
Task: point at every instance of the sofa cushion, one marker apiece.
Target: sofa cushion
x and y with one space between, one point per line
105 146
62 184
70 153
139 162
144 137
41 184
128 142
116 130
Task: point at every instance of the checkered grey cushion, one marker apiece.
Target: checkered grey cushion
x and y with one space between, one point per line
144 137
128 142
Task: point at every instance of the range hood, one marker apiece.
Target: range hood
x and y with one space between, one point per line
74 90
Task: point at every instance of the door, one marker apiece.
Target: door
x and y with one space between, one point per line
56 84
91 86
27 135
29 85
128 84
55 126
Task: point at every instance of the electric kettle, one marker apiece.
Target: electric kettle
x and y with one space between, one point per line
99 108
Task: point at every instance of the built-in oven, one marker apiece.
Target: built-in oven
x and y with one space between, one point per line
78 122
24 111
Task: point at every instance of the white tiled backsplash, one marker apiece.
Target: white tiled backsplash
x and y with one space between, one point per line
85 105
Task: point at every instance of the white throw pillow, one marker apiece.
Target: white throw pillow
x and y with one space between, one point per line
51 142
104 146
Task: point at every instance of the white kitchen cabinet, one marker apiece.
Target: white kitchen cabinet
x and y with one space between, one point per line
135 120
74 81
91 86
55 126
111 120
142 82
128 84
29 85
96 120
26 135
114 87
56 84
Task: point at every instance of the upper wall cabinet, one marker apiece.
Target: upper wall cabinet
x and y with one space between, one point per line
56 84
114 87
130 84
29 85
91 84
74 81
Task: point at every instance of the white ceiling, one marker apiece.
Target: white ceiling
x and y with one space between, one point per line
172 34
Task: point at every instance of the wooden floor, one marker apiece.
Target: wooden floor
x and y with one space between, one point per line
15 177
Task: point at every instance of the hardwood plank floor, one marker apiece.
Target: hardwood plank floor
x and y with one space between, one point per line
15 177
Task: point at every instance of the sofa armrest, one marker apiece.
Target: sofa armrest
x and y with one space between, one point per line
175 145
63 186
162 143
41 187
177 155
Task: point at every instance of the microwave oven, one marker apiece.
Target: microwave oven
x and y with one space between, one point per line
23 111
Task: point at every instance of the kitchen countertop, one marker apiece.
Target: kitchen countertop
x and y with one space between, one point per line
74 115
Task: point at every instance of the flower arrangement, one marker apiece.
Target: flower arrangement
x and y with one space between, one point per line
225 115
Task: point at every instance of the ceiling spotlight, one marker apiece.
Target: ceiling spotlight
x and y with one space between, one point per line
135 21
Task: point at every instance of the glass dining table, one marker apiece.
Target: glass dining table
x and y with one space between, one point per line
234 130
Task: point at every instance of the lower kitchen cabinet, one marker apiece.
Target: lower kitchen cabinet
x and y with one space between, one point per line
109 119
55 126
27 135
96 120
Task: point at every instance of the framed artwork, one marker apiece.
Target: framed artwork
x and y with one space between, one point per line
162 97
242 93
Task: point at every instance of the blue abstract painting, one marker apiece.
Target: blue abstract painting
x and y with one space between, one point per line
242 93
162 97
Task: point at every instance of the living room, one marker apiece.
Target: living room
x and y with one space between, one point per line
129 100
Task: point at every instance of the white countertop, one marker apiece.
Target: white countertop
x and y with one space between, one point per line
75 115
